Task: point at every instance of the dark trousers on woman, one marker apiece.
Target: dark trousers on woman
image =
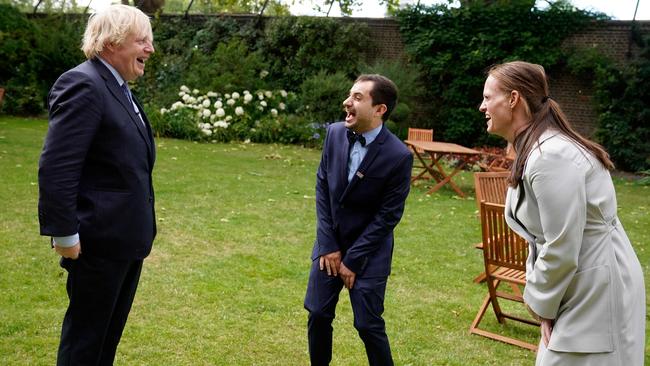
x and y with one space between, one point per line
367 299
101 292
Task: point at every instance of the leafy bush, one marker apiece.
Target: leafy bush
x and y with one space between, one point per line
179 123
297 48
33 53
231 66
322 96
262 116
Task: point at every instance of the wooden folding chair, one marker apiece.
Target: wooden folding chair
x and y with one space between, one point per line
419 134
498 162
490 187
504 254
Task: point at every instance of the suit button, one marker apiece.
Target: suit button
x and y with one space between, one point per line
150 199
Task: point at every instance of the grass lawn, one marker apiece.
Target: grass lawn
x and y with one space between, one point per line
225 282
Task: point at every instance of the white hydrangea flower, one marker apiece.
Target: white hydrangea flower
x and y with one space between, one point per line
274 112
235 95
263 103
263 74
206 113
207 132
177 105
181 93
220 112
200 98
206 103
246 92
218 104
212 94
213 117
260 107
230 102
268 94
282 106
186 98
248 98
283 93
221 124
163 110
227 96
185 89
260 95
239 111
228 118
195 91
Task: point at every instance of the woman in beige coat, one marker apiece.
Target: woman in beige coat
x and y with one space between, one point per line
583 279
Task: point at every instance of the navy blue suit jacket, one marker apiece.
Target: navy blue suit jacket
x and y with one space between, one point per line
95 169
358 218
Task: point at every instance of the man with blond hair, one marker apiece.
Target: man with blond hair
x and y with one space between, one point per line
96 198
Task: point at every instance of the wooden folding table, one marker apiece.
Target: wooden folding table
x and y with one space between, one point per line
438 150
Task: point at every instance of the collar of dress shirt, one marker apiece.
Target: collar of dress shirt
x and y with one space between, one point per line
117 75
371 135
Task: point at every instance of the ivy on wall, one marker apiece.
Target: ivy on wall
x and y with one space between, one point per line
623 103
455 46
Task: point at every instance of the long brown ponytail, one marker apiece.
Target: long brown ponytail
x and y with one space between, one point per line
544 113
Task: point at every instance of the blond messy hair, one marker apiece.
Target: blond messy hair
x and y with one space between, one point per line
113 25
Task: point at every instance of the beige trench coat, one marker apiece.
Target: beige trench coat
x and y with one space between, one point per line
581 268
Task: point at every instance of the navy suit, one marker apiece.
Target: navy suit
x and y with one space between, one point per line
95 179
356 218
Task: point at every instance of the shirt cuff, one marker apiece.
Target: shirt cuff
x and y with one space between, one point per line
66 241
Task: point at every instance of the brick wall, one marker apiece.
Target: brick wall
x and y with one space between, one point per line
575 96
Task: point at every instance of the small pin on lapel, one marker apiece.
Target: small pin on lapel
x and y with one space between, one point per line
360 175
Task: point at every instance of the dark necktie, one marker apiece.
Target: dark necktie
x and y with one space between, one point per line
352 137
127 93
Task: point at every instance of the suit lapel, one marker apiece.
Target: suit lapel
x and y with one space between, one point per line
366 163
118 94
344 156
149 139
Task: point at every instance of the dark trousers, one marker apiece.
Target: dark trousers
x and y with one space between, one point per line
367 299
101 292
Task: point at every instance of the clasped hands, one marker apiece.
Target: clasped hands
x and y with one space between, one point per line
335 267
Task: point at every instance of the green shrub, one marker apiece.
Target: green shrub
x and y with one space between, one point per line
322 96
286 129
231 66
33 53
297 48
179 123
261 116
